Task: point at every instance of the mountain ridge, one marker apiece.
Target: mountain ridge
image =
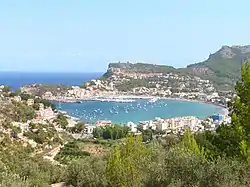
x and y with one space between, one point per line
222 67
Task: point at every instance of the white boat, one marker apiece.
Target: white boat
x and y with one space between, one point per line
115 100
153 100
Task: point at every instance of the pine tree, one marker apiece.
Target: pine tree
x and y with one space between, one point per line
126 163
189 143
234 138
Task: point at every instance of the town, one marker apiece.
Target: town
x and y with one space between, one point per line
177 125
46 115
120 83
124 94
30 117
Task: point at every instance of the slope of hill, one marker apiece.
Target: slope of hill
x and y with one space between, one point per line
223 67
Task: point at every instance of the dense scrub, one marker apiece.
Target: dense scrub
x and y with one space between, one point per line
113 132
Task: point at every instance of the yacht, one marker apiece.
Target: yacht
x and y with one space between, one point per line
153 100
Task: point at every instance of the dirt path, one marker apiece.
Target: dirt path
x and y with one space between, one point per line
51 155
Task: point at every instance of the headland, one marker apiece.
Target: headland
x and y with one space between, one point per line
120 83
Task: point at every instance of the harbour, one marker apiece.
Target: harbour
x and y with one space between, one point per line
139 110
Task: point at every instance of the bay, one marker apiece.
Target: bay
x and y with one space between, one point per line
91 111
140 110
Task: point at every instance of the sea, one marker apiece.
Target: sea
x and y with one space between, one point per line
120 113
18 79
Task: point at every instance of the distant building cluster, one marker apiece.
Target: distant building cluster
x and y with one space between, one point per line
180 124
173 125
176 125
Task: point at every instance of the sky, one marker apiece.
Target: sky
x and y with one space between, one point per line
85 35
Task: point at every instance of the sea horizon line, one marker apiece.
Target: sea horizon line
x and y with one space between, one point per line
51 72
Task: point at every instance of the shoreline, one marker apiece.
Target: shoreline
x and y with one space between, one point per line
131 98
222 109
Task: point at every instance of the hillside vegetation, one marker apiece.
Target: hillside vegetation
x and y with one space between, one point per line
222 67
219 158
40 89
142 67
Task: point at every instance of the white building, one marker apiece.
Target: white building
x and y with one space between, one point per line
132 126
162 126
17 98
47 95
89 129
147 125
177 123
215 94
144 125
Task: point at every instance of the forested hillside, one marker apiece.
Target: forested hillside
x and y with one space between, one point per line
222 67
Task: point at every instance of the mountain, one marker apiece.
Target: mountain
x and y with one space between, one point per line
222 68
138 67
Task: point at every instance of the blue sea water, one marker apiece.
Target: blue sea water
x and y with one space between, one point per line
91 111
18 79
121 113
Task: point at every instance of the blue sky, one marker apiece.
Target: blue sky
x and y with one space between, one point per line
84 36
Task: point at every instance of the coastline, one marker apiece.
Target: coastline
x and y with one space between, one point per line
222 109
132 98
